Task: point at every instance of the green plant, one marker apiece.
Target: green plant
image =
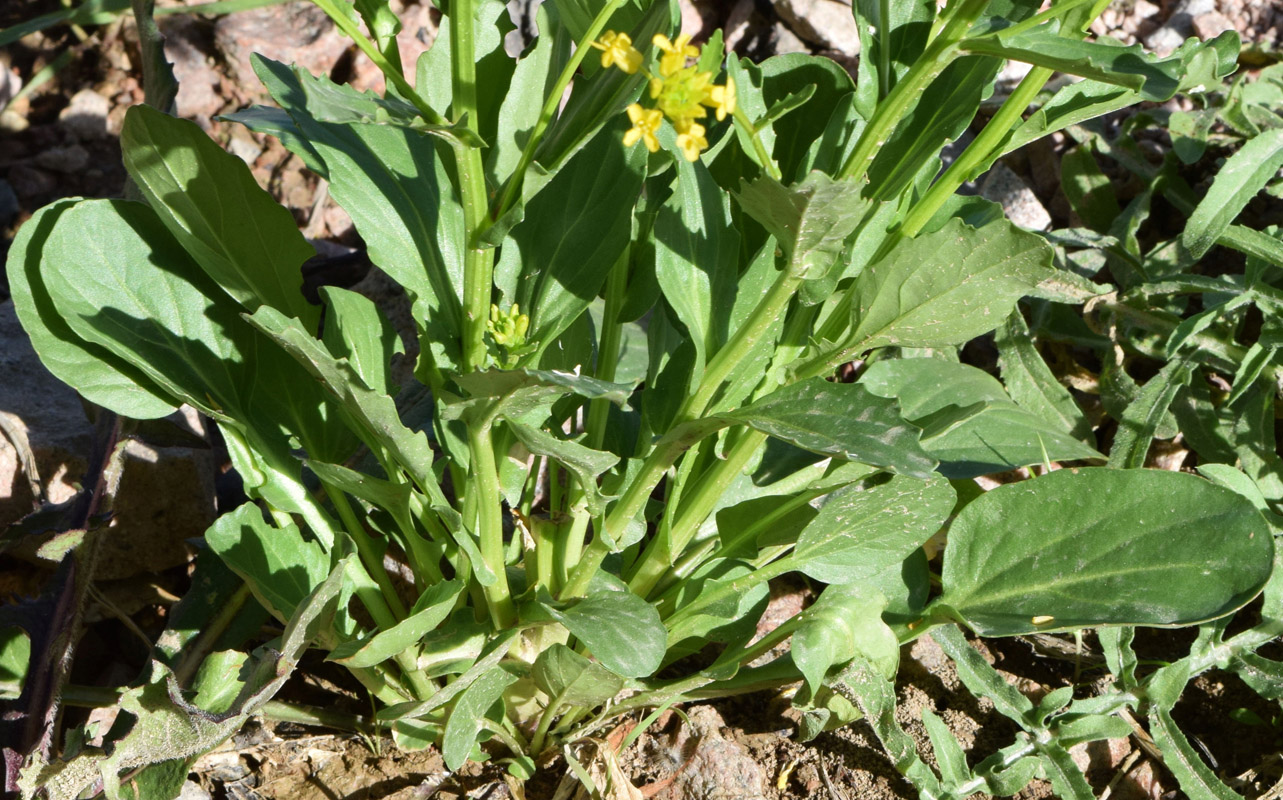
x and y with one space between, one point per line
582 500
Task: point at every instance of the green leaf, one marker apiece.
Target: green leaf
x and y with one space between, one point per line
532 79
980 678
356 330
1088 190
433 606
1128 547
1242 176
943 289
844 420
696 248
99 375
1063 774
1197 780
1032 384
515 393
396 189
620 629
380 424
572 234
183 331
278 564
468 717
1141 421
845 622
949 755
810 220
587 464
860 532
569 679
210 202
968 422
1155 79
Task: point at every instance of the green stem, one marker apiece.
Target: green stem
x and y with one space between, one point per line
489 522
551 103
545 724
759 147
898 101
367 550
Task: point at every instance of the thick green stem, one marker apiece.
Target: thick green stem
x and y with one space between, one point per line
489 522
898 101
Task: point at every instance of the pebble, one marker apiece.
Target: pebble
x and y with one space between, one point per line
66 160
1023 207
85 117
826 23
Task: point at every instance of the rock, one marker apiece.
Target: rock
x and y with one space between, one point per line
1210 25
199 96
193 791
10 84
418 32
786 41
826 23
85 117
297 33
1023 207
69 159
1179 25
29 182
719 768
165 494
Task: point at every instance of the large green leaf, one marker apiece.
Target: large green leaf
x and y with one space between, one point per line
394 185
1155 79
125 284
810 220
468 717
1242 176
433 606
862 532
556 260
988 437
573 680
357 330
210 202
845 621
945 288
620 629
380 424
696 249
1091 547
278 564
586 463
99 375
839 419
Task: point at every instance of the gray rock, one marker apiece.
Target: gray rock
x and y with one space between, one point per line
193 791
9 206
826 23
720 768
29 182
1023 207
85 117
165 495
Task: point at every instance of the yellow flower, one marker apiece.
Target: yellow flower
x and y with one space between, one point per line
722 98
617 50
675 53
691 141
682 95
646 122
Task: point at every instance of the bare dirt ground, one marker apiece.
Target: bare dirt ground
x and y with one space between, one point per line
60 139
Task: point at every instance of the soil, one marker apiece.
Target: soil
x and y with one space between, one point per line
61 141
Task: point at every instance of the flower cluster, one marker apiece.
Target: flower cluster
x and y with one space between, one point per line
682 93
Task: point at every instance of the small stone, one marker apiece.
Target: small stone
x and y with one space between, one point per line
85 117
297 33
10 85
1019 201
786 41
71 158
1209 26
12 121
198 82
29 182
826 23
193 791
